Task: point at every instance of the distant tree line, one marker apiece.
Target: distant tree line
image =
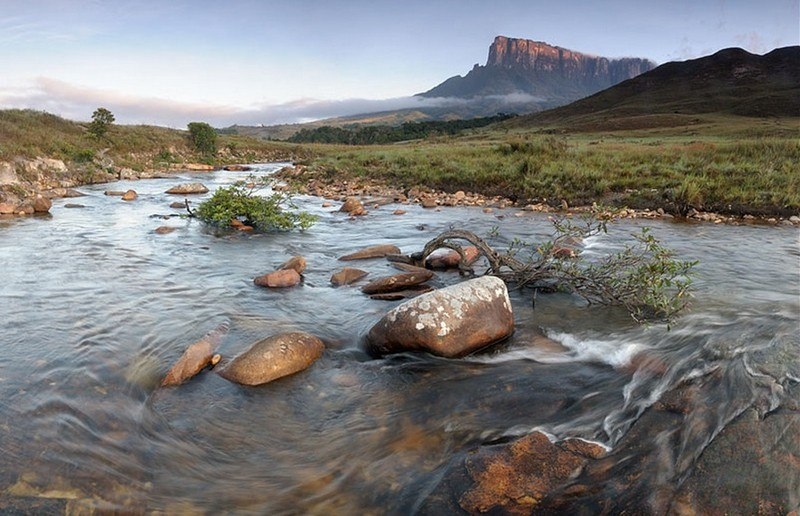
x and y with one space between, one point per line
377 134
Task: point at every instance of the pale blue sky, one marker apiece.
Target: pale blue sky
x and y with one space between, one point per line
247 61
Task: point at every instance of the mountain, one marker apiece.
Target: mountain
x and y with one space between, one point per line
538 74
731 81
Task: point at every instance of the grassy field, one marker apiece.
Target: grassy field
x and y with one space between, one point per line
728 164
31 134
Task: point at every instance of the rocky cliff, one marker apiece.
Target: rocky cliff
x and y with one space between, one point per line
533 71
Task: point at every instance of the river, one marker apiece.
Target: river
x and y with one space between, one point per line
96 306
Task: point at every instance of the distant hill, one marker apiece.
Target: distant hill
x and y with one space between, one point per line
548 75
520 76
731 81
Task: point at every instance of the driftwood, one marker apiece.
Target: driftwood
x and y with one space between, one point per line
643 277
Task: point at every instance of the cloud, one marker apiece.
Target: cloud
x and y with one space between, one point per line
78 102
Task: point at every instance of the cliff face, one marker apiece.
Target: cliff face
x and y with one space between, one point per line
553 75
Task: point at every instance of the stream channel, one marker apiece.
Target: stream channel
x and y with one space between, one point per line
95 306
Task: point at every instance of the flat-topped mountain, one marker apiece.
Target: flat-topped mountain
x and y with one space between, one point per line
547 74
731 81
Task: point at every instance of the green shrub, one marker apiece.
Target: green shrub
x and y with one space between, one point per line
242 202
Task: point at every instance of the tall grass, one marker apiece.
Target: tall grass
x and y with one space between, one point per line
728 175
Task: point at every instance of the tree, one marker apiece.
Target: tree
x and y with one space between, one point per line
203 138
101 121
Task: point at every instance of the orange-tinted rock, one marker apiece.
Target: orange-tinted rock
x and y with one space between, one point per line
130 195
42 204
514 478
347 276
7 208
282 278
375 251
297 263
198 167
163 230
196 357
188 188
273 358
449 259
450 322
397 282
353 206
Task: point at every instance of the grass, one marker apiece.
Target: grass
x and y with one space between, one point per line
720 163
31 134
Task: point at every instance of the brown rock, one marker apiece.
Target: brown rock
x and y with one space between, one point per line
399 212
188 189
514 478
273 358
449 259
428 202
353 206
449 322
198 167
7 208
407 267
163 230
177 205
279 279
196 357
297 263
114 193
397 282
130 195
42 204
237 168
406 293
375 251
347 276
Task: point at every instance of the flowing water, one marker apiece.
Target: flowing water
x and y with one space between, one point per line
96 306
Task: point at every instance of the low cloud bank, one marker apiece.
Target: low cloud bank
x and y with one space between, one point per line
77 103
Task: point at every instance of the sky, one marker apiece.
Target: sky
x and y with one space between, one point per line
253 62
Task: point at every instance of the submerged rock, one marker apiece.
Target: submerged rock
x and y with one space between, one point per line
188 188
397 282
273 358
281 278
347 276
449 322
375 251
196 357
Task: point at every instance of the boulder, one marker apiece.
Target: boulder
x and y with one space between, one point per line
188 188
6 208
273 358
449 322
375 251
196 357
281 278
130 195
41 204
406 293
164 230
449 258
198 167
347 276
397 282
353 207
514 478
297 263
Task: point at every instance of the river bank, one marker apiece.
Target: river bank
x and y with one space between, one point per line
375 192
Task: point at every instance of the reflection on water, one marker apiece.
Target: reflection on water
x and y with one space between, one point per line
96 306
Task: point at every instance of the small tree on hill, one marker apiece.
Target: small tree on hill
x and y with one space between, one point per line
101 121
203 138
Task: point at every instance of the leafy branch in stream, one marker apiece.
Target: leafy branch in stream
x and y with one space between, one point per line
243 202
644 277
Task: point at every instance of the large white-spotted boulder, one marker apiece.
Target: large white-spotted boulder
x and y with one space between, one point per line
449 322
